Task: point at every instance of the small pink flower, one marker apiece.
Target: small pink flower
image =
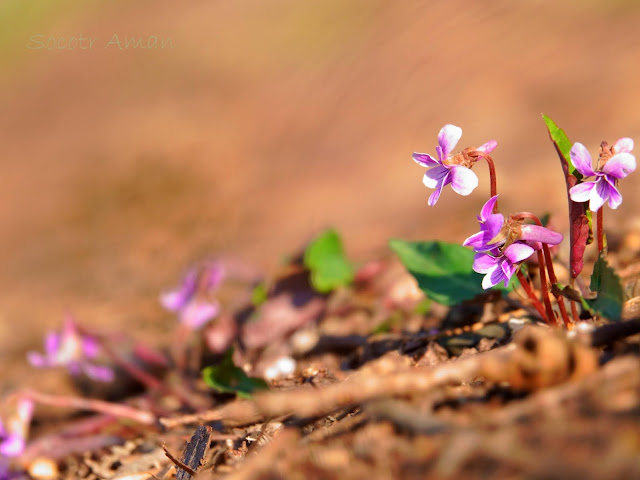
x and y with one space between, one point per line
192 299
72 350
442 172
605 186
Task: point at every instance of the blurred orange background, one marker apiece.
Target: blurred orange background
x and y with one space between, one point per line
270 120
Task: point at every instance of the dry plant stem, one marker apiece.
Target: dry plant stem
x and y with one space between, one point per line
600 223
115 409
532 296
550 317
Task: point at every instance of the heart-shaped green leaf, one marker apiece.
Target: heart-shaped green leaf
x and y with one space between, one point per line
606 283
443 270
225 377
325 259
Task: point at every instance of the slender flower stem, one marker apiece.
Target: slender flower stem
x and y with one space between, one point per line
544 289
554 280
574 309
532 296
492 177
600 228
115 409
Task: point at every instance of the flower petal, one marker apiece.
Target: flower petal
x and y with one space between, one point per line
582 191
198 313
492 278
37 360
623 145
448 139
581 159
487 209
463 180
488 147
483 263
51 343
12 446
433 198
620 165
615 198
98 372
599 194
517 252
90 347
536 233
425 160
435 177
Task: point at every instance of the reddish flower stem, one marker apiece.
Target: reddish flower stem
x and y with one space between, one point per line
492 177
116 409
531 294
600 223
554 280
545 290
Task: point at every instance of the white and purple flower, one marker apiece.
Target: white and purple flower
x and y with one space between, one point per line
72 350
192 299
617 163
445 169
501 246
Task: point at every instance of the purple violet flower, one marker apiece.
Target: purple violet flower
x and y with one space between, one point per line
191 300
490 226
442 171
500 266
13 437
617 163
72 350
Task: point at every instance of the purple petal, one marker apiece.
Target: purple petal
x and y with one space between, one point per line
599 194
493 225
582 191
487 209
463 180
12 446
615 197
425 160
487 147
475 240
517 252
435 176
508 268
174 300
581 159
37 360
620 165
214 276
623 145
483 263
98 373
492 278
198 313
52 343
535 233
90 347
433 198
448 139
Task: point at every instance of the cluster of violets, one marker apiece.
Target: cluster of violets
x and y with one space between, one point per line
502 244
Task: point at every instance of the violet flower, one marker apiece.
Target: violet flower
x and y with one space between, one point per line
191 300
450 169
490 226
72 350
500 266
613 165
13 436
501 246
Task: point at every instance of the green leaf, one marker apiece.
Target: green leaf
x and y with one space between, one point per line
443 270
326 260
562 143
259 294
225 377
606 283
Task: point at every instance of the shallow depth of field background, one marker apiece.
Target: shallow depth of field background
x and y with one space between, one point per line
269 121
